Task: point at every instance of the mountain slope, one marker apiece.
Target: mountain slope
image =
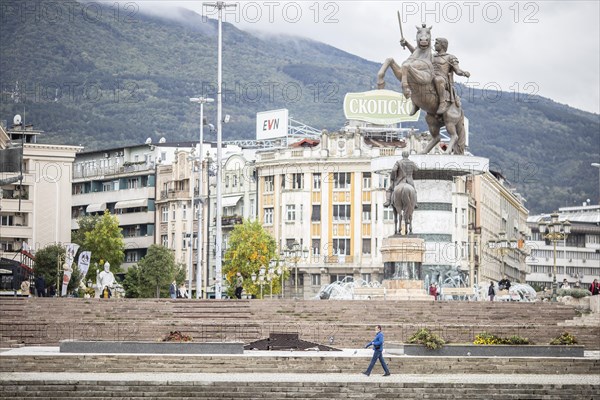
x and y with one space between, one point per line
105 81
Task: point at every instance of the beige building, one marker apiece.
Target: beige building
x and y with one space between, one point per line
499 214
174 217
37 213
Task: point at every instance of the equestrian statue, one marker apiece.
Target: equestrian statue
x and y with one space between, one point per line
401 194
428 79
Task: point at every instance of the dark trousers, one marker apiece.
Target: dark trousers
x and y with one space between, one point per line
377 355
238 292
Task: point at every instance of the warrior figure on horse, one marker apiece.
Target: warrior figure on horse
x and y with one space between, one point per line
428 79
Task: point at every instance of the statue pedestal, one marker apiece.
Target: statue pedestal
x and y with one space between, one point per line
402 259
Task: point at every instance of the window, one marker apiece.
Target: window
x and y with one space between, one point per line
464 216
388 214
366 180
366 212
366 246
164 240
165 214
107 186
269 183
173 218
297 181
316 213
235 181
268 217
317 181
291 212
132 256
341 180
341 247
184 211
366 277
6 220
227 181
132 183
341 212
316 247
315 279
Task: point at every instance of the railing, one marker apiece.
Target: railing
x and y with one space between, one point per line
112 170
339 259
231 220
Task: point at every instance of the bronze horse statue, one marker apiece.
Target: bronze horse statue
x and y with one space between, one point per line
404 198
416 75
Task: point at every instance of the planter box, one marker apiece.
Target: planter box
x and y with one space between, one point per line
463 350
74 346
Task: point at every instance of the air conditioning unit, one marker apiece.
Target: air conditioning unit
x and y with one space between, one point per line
572 275
549 273
583 261
570 260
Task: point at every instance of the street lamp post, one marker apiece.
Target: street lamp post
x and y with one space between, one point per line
597 165
294 252
201 101
219 5
554 231
281 272
261 279
503 246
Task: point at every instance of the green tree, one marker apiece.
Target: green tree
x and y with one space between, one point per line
153 274
49 264
105 241
86 224
250 248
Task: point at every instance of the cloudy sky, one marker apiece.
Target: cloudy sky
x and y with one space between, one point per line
550 48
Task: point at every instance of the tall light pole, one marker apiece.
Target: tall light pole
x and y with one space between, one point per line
503 246
295 252
201 101
597 165
557 230
219 5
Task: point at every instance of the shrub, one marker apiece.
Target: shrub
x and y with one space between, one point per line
485 338
565 339
425 337
575 293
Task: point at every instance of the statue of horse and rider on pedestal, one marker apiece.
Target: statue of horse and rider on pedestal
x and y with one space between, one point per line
428 79
401 194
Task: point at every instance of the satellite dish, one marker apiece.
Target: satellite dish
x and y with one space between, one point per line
162 140
149 140
17 120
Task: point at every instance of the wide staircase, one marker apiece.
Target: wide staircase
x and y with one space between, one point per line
47 374
349 324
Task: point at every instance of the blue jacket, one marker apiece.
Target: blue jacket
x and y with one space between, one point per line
377 342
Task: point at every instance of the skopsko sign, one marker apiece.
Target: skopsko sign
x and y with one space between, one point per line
381 107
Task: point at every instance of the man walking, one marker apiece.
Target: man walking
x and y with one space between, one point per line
377 344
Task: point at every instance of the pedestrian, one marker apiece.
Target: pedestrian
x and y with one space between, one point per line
565 284
239 285
491 291
433 291
173 290
595 287
40 286
377 344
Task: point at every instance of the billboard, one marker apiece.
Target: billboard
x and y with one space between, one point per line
381 107
272 124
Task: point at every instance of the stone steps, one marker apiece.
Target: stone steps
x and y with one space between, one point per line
312 363
234 389
46 321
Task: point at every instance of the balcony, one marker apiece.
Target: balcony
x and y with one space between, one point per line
339 259
231 220
174 194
